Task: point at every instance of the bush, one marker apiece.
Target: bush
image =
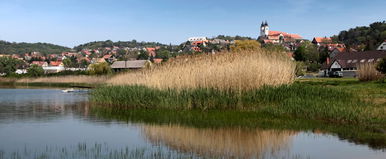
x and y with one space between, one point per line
381 66
368 72
35 71
100 69
245 45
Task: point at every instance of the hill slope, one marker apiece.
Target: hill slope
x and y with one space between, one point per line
21 48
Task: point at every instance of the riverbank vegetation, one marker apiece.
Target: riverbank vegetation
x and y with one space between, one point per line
244 70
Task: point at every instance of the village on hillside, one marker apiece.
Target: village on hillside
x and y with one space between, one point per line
325 55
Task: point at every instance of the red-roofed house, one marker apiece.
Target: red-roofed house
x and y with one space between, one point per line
276 37
321 41
151 52
56 63
40 63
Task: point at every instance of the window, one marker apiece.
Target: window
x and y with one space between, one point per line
363 60
371 60
349 61
354 61
379 59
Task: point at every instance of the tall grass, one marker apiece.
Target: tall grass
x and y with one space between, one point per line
245 70
368 72
302 101
222 142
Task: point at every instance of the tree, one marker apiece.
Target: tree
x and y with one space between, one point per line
9 65
35 71
381 66
100 69
143 55
245 45
307 52
163 54
67 63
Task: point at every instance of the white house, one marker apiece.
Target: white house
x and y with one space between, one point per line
382 47
194 39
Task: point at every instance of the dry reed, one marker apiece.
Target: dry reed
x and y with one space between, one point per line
368 72
223 142
237 71
66 79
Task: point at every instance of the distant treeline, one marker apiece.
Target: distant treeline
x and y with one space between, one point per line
21 48
109 43
363 38
231 38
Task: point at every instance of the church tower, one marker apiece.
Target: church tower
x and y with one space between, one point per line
264 30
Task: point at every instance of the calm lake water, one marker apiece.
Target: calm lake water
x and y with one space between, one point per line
46 123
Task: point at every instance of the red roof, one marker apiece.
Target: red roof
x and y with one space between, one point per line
322 39
55 63
151 51
276 34
107 56
157 60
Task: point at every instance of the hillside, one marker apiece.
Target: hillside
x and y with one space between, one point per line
21 48
365 37
109 43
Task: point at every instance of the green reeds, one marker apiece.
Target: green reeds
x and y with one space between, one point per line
297 100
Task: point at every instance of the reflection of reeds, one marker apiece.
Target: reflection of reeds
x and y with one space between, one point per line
224 142
236 71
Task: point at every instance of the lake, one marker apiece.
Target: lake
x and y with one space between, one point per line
46 123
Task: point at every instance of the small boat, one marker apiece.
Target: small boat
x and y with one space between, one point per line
68 90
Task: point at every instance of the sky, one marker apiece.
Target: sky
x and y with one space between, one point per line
73 22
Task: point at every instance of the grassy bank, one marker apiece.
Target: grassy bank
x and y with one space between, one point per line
298 100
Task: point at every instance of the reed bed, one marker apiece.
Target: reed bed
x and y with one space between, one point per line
245 70
222 142
368 72
66 79
296 100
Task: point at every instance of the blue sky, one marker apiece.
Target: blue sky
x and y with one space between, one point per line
73 22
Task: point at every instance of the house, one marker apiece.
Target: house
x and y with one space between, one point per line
125 65
321 41
194 39
348 62
336 51
98 60
382 47
157 60
276 37
151 52
56 63
109 58
40 63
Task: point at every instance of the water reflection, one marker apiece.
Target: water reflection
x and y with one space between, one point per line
224 142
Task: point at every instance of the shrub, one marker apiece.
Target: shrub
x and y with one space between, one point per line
100 69
245 45
35 71
368 72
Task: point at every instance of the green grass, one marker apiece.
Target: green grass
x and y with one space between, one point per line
352 110
298 100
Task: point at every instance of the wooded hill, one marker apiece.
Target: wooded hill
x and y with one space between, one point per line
21 48
109 43
363 38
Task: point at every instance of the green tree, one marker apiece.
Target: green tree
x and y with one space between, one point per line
381 66
143 55
9 65
307 52
35 71
245 45
100 69
67 63
163 54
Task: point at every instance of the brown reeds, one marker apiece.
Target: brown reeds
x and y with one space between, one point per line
368 72
222 143
237 71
